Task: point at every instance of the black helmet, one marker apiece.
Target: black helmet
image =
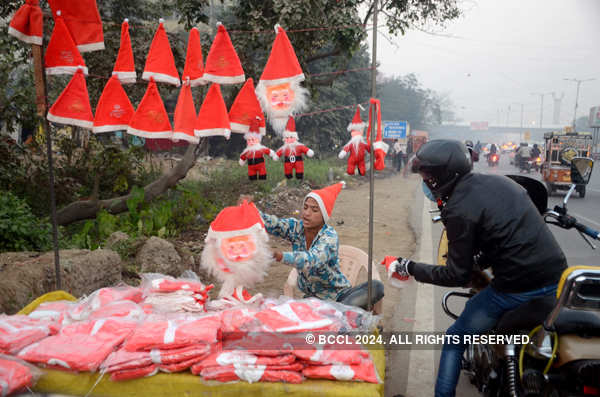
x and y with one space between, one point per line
442 162
469 144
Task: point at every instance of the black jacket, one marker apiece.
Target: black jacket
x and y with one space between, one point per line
493 215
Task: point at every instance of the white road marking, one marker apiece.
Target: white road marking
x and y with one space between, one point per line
421 379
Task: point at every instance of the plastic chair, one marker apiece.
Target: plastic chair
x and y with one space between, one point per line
352 259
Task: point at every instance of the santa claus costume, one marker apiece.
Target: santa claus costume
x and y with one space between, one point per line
236 249
357 146
254 153
292 150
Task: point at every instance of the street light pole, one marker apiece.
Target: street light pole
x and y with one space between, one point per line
541 94
577 98
521 129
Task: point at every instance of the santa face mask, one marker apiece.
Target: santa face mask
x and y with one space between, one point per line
238 248
251 141
355 133
290 140
281 96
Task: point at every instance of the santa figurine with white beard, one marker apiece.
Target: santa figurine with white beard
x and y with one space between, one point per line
254 153
292 150
356 146
236 251
279 90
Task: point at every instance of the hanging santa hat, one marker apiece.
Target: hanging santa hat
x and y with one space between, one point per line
357 124
83 21
27 24
290 129
150 119
62 56
124 67
73 105
213 119
185 115
194 65
114 109
282 65
379 146
246 108
160 63
235 221
326 198
223 65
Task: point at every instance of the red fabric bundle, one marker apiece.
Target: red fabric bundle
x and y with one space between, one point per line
294 317
13 377
19 331
135 373
52 311
250 374
80 346
332 354
162 333
362 372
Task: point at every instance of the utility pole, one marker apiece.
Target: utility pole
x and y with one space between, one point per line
508 116
372 156
542 95
577 98
521 128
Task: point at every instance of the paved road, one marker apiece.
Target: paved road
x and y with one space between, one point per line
577 251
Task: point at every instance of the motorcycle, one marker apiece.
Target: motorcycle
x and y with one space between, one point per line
525 164
493 159
562 357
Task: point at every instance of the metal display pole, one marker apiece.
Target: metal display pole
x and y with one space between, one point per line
372 157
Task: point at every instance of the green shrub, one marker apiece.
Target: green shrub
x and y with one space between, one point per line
20 230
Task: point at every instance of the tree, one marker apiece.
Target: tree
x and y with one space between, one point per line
329 37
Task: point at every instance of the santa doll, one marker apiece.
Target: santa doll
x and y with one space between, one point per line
292 150
357 146
254 153
236 249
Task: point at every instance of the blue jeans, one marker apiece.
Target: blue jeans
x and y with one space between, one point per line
481 314
358 296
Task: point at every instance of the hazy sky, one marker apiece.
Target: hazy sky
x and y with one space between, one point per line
501 51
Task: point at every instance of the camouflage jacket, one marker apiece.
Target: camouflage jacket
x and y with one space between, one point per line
319 272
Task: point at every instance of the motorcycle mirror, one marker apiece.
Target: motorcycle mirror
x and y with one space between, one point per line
581 170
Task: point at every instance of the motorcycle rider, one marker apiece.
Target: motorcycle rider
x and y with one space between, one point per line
523 155
490 220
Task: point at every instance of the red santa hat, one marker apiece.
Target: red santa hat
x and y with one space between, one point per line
357 124
160 63
290 129
223 65
62 56
73 105
114 108
185 115
236 221
83 21
150 119
246 108
124 67
27 24
326 198
282 65
213 119
194 64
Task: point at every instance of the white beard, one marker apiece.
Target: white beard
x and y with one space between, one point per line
356 141
291 146
279 118
246 273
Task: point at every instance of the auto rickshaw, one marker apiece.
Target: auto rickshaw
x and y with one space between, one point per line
561 148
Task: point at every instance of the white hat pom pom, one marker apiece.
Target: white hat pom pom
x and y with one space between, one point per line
161 20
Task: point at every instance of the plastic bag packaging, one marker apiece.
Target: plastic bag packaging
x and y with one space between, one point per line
19 331
362 372
225 358
295 317
82 310
332 354
52 311
123 359
170 332
135 373
16 375
169 294
240 297
250 374
179 366
121 308
81 346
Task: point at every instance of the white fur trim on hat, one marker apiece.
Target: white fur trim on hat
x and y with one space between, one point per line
162 78
185 137
126 77
91 47
109 128
319 201
148 134
70 121
243 128
37 40
297 78
257 227
66 70
356 126
224 79
213 132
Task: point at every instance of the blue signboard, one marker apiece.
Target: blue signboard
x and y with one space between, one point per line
395 129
